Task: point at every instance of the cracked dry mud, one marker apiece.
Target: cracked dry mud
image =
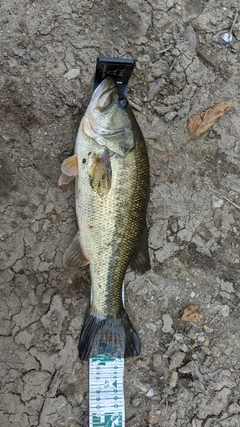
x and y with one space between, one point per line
192 369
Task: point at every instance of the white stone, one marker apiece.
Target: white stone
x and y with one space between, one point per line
72 74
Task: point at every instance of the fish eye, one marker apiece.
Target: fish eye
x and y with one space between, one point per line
122 102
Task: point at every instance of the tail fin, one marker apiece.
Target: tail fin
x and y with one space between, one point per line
110 336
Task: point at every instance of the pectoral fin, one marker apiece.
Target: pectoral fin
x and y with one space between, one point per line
100 175
70 166
69 170
140 261
64 179
73 257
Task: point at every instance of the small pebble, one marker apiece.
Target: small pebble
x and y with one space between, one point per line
215 352
227 287
178 336
13 63
216 202
184 348
201 338
137 401
173 379
50 206
170 116
72 74
225 310
225 37
224 295
19 52
35 227
176 360
150 393
207 350
167 323
80 398
46 225
207 329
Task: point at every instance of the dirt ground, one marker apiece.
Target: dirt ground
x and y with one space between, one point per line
192 370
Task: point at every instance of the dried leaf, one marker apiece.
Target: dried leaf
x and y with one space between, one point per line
191 314
200 123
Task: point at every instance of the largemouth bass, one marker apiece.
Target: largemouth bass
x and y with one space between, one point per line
111 168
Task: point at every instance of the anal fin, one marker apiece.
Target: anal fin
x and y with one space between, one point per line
73 257
140 261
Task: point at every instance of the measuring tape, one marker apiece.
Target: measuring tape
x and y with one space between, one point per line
106 393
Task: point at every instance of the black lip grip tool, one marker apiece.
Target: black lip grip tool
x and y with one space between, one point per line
118 68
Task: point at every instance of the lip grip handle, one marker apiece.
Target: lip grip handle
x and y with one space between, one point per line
118 68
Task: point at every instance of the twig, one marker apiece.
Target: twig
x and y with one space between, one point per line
135 106
234 22
214 319
165 50
174 151
232 203
131 421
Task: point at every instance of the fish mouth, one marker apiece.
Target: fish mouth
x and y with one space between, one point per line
106 84
101 97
